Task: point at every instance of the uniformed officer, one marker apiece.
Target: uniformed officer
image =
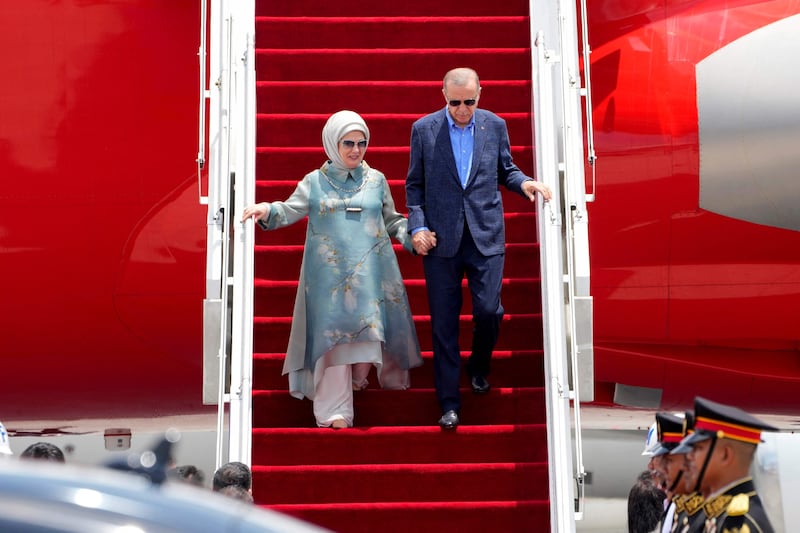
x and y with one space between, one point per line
645 498
671 467
689 516
719 454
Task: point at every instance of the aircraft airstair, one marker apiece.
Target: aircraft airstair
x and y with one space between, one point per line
275 74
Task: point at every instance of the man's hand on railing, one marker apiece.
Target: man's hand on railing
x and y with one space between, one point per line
531 187
256 212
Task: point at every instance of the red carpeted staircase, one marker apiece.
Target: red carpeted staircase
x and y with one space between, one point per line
396 470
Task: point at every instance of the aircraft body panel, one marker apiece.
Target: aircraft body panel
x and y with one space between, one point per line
686 299
102 238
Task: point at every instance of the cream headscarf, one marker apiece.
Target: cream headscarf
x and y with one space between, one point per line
339 125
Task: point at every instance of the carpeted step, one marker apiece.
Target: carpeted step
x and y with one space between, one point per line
452 516
411 8
519 213
294 162
517 443
405 96
386 129
283 262
519 331
399 482
281 189
410 407
359 33
383 64
518 368
520 295
520 226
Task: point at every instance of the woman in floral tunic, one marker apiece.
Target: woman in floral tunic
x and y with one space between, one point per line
351 310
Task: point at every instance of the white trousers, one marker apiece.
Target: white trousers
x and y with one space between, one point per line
337 375
334 396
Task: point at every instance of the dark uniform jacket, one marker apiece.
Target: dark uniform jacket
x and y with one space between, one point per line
738 510
689 515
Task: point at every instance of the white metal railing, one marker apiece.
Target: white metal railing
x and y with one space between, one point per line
586 91
564 248
241 420
576 228
204 95
228 308
559 438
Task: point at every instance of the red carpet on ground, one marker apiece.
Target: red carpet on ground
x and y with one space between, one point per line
396 470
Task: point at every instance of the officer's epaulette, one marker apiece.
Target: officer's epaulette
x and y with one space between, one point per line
717 506
739 505
692 503
679 501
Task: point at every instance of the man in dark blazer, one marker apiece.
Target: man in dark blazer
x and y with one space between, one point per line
460 156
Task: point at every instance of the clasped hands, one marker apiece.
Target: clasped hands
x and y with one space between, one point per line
423 241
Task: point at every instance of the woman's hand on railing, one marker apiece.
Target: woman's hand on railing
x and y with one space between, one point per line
256 212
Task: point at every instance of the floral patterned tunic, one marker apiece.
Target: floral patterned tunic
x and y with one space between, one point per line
350 288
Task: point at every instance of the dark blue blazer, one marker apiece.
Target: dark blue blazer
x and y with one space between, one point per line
434 195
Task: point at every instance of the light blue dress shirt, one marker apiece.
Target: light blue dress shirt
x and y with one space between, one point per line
462 140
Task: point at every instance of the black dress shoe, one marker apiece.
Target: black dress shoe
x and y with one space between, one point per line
449 420
480 385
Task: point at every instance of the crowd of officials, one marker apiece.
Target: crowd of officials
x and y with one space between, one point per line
698 477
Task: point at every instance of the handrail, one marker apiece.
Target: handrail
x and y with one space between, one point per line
231 186
591 155
564 249
201 119
220 174
559 440
576 236
241 395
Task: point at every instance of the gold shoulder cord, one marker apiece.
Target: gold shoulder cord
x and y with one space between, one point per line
739 505
679 503
693 503
715 507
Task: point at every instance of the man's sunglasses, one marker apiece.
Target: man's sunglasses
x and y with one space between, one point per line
351 144
469 103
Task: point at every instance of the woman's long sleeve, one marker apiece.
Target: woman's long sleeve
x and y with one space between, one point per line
282 214
396 224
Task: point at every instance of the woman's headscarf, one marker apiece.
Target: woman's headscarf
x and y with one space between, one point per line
340 124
